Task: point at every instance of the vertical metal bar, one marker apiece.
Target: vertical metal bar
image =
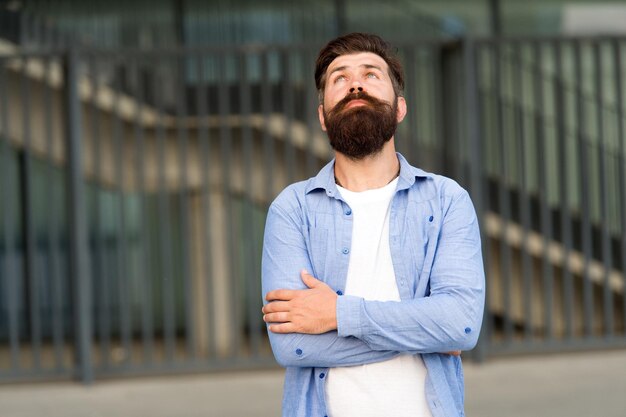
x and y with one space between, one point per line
165 237
586 236
312 101
503 193
420 76
23 29
183 196
618 70
341 16
78 254
100 268
519 91
412 138
445 109
121 264
268 140
227 194
52 230
249 226
9 181
36 30
205 146
474 114
288 105
566 220
178 12
482 65
495 17
5 24
545 215
144 272
442 82
437 91
463 152
603 149
27 198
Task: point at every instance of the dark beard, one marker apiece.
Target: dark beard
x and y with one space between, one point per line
361 131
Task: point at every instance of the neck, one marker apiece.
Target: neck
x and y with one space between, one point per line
368 173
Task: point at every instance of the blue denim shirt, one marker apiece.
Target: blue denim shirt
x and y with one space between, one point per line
436 252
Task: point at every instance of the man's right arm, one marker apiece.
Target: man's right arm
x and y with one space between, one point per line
285 254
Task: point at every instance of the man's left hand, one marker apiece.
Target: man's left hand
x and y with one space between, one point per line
310 311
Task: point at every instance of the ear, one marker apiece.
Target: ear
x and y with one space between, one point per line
401 112
320 114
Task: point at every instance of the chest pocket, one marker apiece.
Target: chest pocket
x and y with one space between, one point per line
318 249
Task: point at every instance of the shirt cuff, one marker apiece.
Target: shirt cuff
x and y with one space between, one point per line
348 316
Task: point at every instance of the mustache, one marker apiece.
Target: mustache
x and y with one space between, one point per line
359 95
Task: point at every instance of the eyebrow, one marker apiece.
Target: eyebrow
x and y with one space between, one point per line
367 66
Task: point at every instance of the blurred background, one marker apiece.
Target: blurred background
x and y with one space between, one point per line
141 143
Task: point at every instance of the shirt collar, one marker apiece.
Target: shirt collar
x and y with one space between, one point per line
325 179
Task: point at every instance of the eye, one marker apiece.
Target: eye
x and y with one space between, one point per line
338 78
371 75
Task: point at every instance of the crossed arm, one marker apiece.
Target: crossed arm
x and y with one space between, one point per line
309 311
311 326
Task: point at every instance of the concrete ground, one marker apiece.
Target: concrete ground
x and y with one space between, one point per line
572 385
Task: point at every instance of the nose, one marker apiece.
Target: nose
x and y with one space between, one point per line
354 89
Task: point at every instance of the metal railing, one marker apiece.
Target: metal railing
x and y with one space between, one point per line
132 218
552 125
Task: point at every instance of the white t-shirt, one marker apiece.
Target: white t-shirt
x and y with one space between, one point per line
395 387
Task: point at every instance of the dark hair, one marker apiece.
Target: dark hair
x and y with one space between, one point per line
354 43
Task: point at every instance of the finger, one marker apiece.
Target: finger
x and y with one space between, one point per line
276 307
282 328
308 279
284 295
276 317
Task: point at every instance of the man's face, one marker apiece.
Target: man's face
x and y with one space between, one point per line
360 111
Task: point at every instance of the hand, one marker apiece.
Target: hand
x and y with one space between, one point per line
310 311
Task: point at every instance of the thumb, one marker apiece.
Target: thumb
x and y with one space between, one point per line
308 279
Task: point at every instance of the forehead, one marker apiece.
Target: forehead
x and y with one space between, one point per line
356 60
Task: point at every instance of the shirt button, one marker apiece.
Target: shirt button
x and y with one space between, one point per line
339 292
431 218
322 375
468 330
298 352
345 251
348 212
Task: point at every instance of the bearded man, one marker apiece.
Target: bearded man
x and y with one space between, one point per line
372 270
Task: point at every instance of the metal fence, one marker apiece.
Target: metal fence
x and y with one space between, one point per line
551 121
135 184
